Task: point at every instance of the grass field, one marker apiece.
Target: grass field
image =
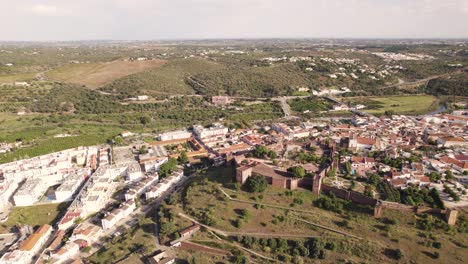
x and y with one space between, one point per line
411 104
35 215
16 77
94 75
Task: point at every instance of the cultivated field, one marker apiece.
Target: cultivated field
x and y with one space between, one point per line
4 79
94 75
411 104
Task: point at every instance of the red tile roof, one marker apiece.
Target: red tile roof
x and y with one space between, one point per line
362 159
365 141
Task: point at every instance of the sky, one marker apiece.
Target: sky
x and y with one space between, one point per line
57 20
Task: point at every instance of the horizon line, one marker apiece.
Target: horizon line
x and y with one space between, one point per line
242 38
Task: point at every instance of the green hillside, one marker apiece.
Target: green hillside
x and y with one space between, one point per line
167 80
251 82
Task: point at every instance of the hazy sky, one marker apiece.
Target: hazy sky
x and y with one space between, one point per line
182 19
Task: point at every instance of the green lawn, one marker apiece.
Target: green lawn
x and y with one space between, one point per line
35 215
412 104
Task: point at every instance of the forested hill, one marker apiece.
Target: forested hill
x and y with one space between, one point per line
456 85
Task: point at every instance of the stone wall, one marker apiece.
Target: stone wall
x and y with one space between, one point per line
350 195
379 206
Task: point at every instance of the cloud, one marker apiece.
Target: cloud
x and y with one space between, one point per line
44 10
161 19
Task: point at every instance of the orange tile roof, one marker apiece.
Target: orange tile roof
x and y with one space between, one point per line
31 241
365 141
362 159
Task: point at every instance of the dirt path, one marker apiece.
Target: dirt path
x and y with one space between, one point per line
297 219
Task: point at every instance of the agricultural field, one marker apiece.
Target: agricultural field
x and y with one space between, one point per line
94 75
6 79
410 104
395 238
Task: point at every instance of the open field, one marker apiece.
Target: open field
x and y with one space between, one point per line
16 78
411 104
34 215
94 75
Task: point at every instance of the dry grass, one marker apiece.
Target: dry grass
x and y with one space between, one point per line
356 220
16 78
94 75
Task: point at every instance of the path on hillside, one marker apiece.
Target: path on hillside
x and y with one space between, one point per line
224 233
294 210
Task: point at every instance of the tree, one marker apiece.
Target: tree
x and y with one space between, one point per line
449 175
398 254
144 120
271 154
168 167
239 259
331 173
183 159
272 243
434 176
369 191
260 151
373 179
348 167
256 183
352 185
297 171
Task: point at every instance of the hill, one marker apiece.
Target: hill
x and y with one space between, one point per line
251 82
456 85
166 80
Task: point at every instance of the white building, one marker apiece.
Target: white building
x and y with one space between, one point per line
154 165
174 135
142 97
118 214
215 130
133 171
141 187
164 185
29 193
70 185
65 253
